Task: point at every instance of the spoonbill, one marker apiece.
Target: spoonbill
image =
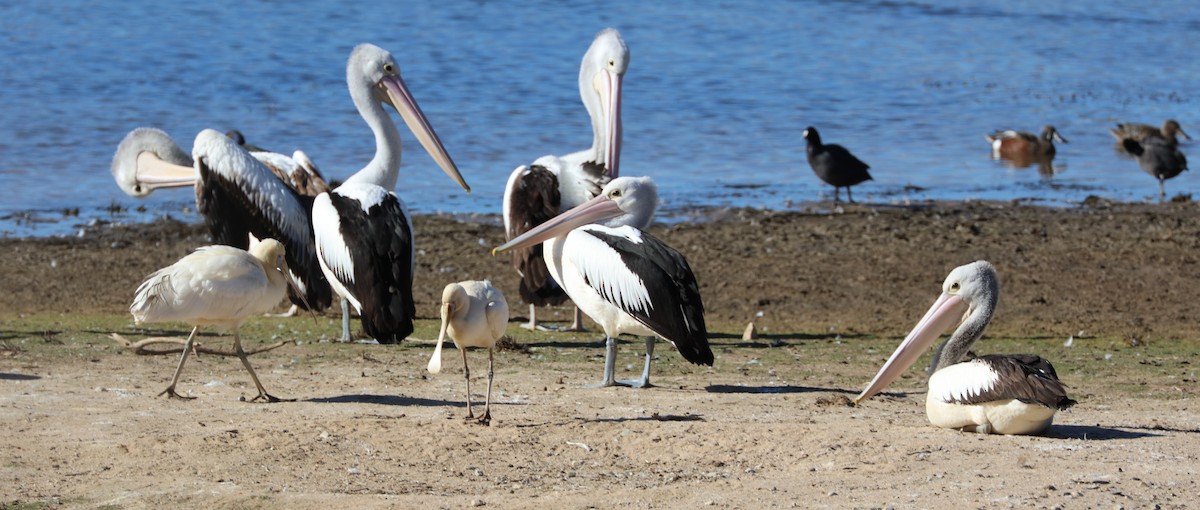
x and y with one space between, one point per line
474 314
215 286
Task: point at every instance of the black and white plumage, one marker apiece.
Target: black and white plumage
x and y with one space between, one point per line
241 195
834 164
1157 157
623 278
538 192
363 231
1000 394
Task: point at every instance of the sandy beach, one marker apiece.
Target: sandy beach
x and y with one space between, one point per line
1103 290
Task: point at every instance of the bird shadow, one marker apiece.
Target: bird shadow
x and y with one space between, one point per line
729 388
4 376
1098 433
387 400
653 417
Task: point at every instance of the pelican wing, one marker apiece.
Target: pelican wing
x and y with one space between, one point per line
648 280
239 195
1024 377
365 240
530 199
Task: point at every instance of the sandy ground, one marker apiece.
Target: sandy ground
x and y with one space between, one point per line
767 427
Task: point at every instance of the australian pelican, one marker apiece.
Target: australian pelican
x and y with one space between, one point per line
364 234
993 394
623 278
538 192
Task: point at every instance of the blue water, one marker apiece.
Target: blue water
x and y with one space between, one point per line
716 95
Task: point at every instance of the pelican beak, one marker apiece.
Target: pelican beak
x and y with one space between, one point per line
398 96
594 210
435 362
608 85
152 173
947 311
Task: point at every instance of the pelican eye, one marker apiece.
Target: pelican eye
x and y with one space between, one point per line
389 68
616 193
955 286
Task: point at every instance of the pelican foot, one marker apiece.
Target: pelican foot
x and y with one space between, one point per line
607 384
170 392
290 313
269 398
538 327
643 383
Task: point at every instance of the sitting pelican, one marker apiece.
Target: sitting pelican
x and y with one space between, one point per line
538 192
623 278
218 286
474 314
994 394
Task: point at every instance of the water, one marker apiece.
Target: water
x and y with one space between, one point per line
716 95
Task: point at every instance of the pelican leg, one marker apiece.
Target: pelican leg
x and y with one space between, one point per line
345 321
610 365
262 392
645 381
532 325
487 406
1162 190
187 349
467 374
577 325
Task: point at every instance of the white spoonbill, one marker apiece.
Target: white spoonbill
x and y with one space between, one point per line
242 195
538 192
474 314
623 278
363 231
994 394
215 286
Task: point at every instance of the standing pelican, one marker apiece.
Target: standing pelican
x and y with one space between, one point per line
994 394
538 192
215 286
623 278
363 232
1157 157
474 314
240 194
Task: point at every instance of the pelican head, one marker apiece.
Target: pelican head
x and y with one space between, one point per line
625 201
600 77
373 71
968 299
147 159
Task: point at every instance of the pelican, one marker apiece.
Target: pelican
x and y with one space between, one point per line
215 286
363 231
1157 157
538 192
994 394
242 196
474 314
623 278
834 164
